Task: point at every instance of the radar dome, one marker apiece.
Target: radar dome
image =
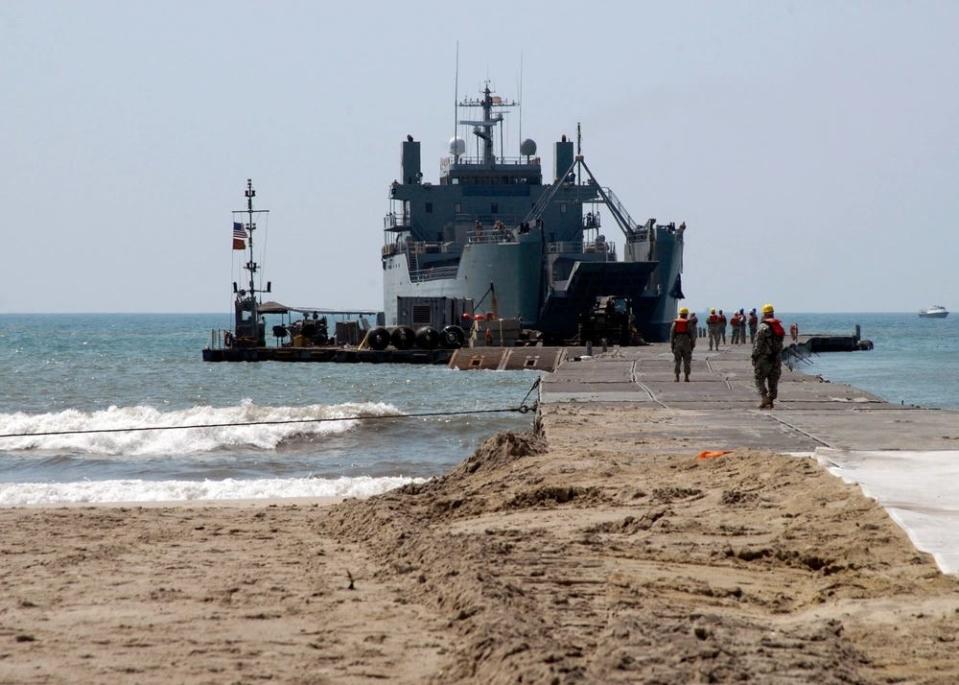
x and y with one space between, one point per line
457 146
528 147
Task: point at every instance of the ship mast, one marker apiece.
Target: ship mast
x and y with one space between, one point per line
483 129
251 266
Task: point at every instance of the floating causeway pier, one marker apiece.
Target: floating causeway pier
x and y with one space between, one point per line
718 408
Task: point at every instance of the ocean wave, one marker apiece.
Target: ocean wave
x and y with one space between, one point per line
112 491
183 440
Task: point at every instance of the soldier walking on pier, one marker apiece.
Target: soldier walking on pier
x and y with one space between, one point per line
767 356
713 323
735 325
742 327
682 340
722 325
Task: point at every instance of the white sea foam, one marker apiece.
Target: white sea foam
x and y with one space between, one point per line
98 492
180 441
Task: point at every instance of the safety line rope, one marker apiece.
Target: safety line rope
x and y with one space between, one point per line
521 408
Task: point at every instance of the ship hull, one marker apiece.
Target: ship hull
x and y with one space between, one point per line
513 269
516 272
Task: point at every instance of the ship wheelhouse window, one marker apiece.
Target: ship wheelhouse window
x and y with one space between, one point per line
429 207
493 208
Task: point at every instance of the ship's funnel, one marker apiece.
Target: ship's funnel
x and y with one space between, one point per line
411 162
564 157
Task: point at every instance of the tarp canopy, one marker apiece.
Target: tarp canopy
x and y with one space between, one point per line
272 307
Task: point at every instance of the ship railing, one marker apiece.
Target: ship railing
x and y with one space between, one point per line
424 247
479 236
585 247
617 208
463 160
433 274
487 220
418 247
218 338
592 220
394 220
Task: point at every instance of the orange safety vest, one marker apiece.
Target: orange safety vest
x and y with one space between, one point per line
713 319
681 326
776 327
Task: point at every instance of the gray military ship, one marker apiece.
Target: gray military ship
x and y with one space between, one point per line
491 236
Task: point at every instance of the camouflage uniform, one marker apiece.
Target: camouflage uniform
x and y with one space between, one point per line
767 361
682 345
713 323
753 325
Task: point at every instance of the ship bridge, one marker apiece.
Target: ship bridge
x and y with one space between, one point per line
503 171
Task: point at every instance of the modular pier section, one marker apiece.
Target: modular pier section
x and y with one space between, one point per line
490 358
537 358
633 393
326 354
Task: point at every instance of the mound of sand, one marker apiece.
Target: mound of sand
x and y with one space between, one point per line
594 567
585 562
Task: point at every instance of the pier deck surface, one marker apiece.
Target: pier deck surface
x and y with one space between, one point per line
718 408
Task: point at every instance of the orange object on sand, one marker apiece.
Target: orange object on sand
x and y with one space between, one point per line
712 454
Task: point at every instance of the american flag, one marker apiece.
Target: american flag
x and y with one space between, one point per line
239 236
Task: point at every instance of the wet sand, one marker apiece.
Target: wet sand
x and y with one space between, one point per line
571 556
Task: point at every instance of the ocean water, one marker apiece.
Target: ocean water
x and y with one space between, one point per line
915 361
81 372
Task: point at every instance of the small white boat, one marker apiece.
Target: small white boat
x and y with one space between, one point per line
936 311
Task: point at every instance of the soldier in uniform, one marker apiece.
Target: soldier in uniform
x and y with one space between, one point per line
753 325
682 340
713 323
767 356
742 327
735 324
722 325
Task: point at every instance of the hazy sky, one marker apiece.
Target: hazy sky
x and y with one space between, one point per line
811 147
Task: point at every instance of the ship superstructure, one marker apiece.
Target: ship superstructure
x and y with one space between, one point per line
490 226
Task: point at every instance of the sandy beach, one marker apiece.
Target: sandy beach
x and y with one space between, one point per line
574 555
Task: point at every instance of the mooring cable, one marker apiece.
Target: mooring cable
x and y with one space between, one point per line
521 408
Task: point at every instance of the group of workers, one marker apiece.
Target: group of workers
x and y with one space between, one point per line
716 324
766 336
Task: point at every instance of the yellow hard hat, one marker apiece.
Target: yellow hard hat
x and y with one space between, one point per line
684 310
767 309
712 311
